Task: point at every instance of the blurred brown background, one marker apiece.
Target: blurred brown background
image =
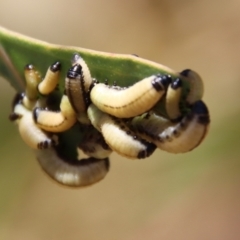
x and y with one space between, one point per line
167 197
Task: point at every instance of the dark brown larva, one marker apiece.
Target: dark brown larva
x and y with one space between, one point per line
72 172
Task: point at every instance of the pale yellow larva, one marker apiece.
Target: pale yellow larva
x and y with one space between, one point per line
33 136
72 172
173 98
118 136
131 101
56 121
196 86
50 81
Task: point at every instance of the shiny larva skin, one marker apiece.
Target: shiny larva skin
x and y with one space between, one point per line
118 136
33 136
72 172
132 101
196 85
178 137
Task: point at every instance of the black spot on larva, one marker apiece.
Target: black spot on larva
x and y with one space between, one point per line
200 108
17 99
161 82
150 148
14 116
55 67
36 113
177 83
185 72
29 67
75 72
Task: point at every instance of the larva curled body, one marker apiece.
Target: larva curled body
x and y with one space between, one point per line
178 137
196 89
31 134
132 101
118 136
72 172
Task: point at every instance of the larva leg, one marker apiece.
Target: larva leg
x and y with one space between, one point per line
29 131
132 101
72 172
50 80
196 86
118 136
94 144
173 97
77 85
180 137
56 121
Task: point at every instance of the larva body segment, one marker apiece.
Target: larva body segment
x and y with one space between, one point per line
173 97
56 121
180 137
94 144
132 101
72 172
118 136
33 136
33 78
50 81
77 85
196 85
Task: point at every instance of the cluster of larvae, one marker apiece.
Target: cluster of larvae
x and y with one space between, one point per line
112 118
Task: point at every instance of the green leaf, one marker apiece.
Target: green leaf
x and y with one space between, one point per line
17 50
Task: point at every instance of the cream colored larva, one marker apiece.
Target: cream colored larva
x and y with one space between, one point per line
33 136
50 81
56 121
118 136
180 137
131 101
72 172
196 86
173 98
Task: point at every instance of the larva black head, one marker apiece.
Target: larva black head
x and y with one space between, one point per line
55 67
17 99
160 82
150 148
177 83
199 108
75 72
29 67
185 72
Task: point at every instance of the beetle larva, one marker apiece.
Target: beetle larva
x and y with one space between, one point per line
173 97
77 84
118 136
72 172
132 101
29 131
56 121
196 86
180 137
33 78
94 145
50 81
